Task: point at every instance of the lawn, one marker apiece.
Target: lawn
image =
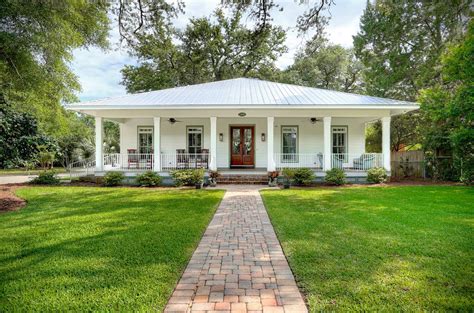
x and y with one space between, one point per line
407 248
99 249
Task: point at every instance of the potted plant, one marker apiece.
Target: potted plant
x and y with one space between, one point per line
213 175
197 178
273 178
288 175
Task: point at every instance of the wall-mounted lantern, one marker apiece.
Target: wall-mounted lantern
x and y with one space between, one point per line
221 137
263 137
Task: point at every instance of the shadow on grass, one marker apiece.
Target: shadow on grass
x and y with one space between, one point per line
98 248
402 248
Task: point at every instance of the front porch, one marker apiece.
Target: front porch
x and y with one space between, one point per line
250 145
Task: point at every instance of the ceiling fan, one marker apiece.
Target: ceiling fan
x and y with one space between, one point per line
172 120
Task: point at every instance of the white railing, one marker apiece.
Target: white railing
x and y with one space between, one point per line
298 160
356 162
172 161
128 161
145 161
81 168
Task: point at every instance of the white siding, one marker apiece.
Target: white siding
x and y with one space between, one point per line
310 136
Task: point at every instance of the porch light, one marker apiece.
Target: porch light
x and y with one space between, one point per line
221 137
313 120
242 114
263 137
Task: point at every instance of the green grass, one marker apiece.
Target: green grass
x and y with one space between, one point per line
99 249
405 248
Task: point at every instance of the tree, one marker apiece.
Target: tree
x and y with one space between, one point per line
36 43
325 66
206 50
404 133
20 138
448 111
400 44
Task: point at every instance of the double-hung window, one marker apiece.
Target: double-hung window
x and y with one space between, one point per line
339 141
145 139
289 146
195 138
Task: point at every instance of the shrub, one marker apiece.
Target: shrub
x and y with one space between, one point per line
149 179
188 177
376 175
198 176
288 175
46 178
113 179
335 176
303 176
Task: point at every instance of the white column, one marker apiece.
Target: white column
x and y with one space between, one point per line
156 144
386 142
99 159
270 154
213 146
327 143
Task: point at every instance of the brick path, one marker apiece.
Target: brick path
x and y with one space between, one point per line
239 265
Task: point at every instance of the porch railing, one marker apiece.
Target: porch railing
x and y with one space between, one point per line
173 161
128 161
145 161
356 162
82 168
298 160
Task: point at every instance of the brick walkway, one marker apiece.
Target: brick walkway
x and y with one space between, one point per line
239 265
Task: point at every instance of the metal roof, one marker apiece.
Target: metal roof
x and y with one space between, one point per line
243 92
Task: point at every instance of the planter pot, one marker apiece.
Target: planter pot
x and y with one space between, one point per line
286 186
272 183
199 185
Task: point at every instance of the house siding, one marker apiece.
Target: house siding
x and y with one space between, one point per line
310 136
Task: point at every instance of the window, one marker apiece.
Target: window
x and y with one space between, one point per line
195 142
339 139
289 146
145 139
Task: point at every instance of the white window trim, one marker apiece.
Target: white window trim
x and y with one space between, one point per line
187 136
292 160
346 141
145 130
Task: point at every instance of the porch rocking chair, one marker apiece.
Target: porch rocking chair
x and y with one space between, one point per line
203 159
181 158
132 158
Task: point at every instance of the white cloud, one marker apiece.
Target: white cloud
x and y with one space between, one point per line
99 71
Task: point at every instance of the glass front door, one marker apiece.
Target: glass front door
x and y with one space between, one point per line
242 146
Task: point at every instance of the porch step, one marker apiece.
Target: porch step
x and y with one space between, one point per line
243 179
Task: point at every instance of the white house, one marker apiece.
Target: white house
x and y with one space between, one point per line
242 124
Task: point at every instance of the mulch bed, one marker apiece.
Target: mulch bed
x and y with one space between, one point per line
8 200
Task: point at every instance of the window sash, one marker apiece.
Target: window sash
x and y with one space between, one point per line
339 139
145 139
194 135
289 143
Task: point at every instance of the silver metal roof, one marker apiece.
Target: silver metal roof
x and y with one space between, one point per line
241 92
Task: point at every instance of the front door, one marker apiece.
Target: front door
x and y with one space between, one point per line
242 146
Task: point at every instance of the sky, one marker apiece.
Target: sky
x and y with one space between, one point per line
99 71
